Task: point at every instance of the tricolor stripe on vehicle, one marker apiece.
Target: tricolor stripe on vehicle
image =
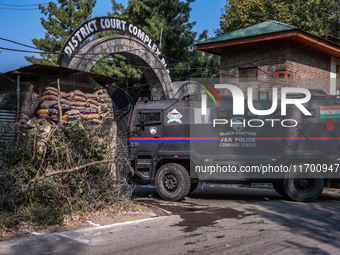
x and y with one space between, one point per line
329 112
218 139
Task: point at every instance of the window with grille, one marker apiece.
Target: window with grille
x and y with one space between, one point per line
263 95
284 75
248 74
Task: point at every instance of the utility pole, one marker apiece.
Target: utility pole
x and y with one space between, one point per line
160 39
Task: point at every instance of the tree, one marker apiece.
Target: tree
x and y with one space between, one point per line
60 20
173 17
310 15
178 38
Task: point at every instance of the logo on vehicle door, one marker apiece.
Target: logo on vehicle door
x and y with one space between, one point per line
174 116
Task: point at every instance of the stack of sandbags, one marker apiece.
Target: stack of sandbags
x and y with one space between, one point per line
76 99
50 98
75 105
105 108
80 100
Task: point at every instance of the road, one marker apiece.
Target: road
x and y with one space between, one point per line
213 220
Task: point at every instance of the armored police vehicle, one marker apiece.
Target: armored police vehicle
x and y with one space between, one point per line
175 145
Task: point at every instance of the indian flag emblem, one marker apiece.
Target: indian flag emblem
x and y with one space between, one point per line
329 112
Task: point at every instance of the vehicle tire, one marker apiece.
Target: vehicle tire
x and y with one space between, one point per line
172 182
193 186
278 186
303 187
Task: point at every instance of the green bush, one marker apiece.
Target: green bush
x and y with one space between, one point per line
26 189
46 214
7 219
14 155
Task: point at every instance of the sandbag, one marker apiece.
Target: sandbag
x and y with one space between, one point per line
101 92
89 110
105 107
80 98
80 104
96 121
77 92
42 111
72 112
51 89
92 106
50 93
73 122
106 100
93 116
91 96
64 95
78 108
71 94
70 117
42 116
64 107
91 101
49 97
70 103
83 116
52 111
48 104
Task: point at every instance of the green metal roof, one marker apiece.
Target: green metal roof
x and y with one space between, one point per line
262 28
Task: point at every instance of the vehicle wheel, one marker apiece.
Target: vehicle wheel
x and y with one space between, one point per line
303 187
172 182
194 184
278 186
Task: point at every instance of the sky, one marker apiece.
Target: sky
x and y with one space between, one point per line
24 25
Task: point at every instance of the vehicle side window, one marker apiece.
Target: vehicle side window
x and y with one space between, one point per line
150 118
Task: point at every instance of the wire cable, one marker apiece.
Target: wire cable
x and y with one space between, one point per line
23 5
25 51
25 45
15 9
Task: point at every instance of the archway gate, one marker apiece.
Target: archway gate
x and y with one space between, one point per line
138 46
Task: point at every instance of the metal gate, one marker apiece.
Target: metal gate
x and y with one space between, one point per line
7 125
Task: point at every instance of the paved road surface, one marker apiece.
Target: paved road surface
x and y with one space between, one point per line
215 220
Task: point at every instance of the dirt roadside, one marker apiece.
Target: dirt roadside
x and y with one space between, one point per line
107 216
